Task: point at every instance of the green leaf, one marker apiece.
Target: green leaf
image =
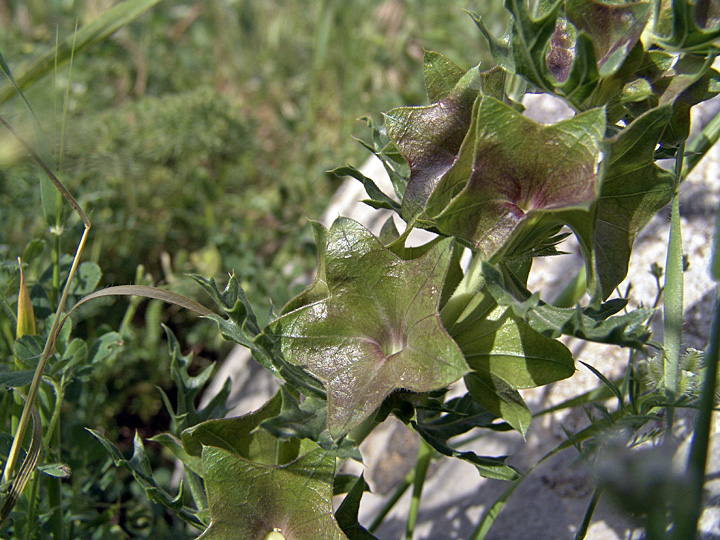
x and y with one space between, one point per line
139 466
105 348
369 325
347 513
500 398
174 444
430 137
614 28
56 470
633 190
16 379
86 279
458 416
307 420
511 171
499 343
599 324
524 47
441 75
691 29
378 199
251 500
188 387
28 350
240 435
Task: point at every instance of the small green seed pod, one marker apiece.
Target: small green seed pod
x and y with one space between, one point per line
275 534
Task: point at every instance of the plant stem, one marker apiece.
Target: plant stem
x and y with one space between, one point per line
594 500
37 377
425 454
31 505
392 501
673 299
686 522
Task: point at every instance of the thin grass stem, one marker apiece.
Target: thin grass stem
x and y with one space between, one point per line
425 454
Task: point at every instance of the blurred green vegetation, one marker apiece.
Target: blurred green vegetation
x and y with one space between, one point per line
198 137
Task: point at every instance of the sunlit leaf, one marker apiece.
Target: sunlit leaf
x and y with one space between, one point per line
614 28
512 170
369 324
430 137
633 191
251 500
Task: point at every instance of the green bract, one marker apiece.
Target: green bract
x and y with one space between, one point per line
493 169
250 500
369 324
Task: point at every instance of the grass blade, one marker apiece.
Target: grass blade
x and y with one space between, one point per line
90 34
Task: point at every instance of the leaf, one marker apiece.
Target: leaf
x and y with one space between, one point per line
28 350
378 199
369 324
139 466
347 513
56 470
523 48
614 28
499 397
147 292
86 279
430 137
188 387
441 75
489 467
251 500
174 444
511 171
459 416
307 420
689 30
16 379
634 189
599 324
239 435
105 348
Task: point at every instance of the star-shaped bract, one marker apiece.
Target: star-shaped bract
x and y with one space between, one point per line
369 325
249 500
511 169
613 28
429 137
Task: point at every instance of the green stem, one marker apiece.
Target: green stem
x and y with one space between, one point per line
582 530
686 522
673 298
54 487
37 377
392 501
425 454
31 520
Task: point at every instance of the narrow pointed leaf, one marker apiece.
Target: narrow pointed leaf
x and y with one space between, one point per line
634 190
